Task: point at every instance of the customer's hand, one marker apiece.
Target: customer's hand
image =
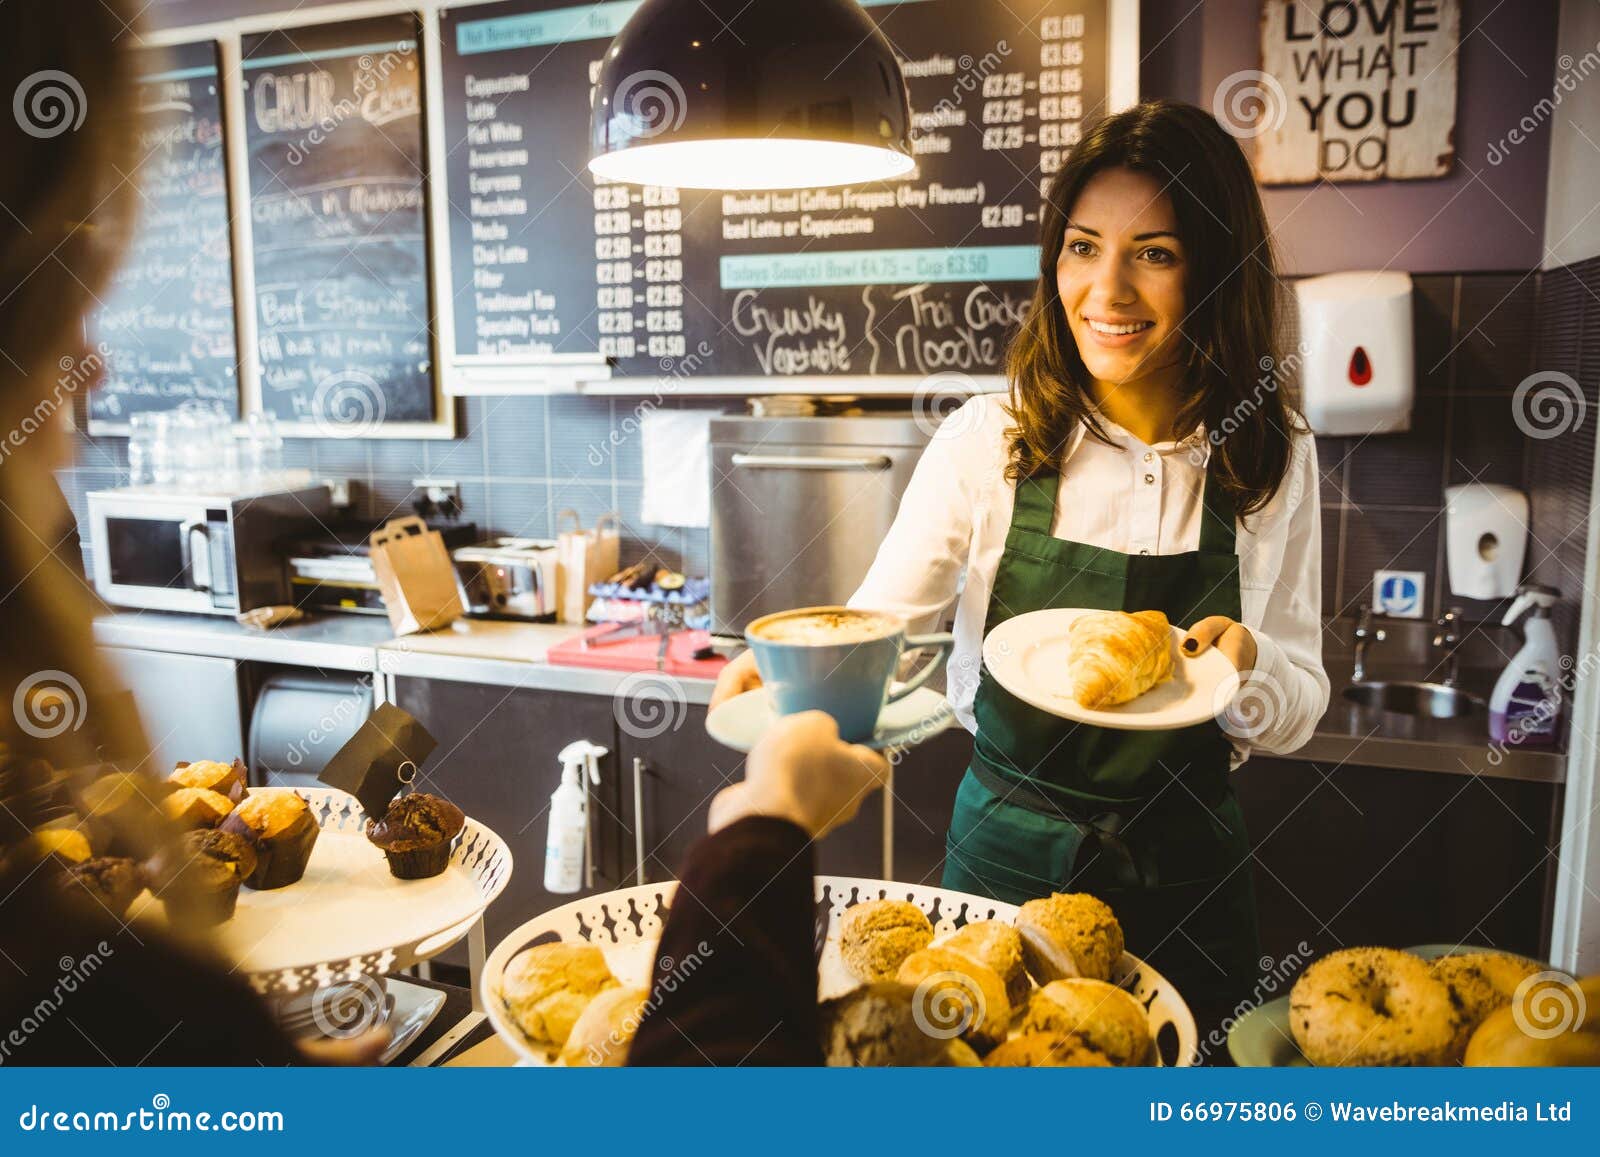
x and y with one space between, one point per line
802 771
736 678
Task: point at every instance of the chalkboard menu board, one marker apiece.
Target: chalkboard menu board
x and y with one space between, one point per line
167 321
924 275
338 218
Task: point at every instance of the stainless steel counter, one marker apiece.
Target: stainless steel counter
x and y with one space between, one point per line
514 655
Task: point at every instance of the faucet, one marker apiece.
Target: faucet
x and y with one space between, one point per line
1446 639
1364 635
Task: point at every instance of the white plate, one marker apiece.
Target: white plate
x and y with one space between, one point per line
626 926
1027 655
743 720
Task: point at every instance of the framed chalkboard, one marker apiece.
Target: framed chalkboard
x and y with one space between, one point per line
873 287
167 323
336 166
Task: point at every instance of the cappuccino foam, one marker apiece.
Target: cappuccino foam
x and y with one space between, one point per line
827 628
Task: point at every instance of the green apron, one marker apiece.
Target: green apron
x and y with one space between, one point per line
1145 820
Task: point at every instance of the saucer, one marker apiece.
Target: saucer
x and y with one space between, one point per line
743 720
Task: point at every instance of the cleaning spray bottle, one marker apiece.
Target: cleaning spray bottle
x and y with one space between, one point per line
1525 707
566 849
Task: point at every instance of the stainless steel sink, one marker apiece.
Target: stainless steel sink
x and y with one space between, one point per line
1433 700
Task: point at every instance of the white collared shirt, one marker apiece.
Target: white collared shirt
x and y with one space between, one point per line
1129 497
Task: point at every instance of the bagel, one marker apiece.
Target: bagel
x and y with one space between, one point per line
1372 1006
1559 1025
1479 983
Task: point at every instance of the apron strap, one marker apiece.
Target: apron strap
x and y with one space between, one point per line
1035 506
1217 515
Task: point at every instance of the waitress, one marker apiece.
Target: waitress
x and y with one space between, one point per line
1144 458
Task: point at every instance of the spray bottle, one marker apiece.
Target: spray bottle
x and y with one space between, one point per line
1525 707
566 851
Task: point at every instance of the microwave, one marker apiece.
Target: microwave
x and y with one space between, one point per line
169 548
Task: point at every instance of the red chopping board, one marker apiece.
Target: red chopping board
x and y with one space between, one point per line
639 653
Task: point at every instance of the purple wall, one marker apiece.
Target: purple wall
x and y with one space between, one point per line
1481 216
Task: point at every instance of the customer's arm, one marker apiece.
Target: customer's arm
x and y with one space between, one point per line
736 978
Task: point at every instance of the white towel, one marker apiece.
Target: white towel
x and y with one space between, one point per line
677 467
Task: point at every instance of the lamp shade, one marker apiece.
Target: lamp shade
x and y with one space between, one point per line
750 94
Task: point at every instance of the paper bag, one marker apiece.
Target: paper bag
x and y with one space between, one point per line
416 577
583 557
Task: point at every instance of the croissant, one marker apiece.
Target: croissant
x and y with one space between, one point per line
1116 656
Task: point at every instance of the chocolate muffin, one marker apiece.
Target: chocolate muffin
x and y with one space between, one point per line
281 830
198 878
416 834
111 881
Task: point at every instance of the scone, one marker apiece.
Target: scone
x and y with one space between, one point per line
958 996
877 1025
604 1030
1044 1050
1103 1016
1069 934
875 936
998 946
547 988
1479 983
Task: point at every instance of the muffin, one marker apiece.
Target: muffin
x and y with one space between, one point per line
110 881
229 779
123 811
196 807
998 946
67 845
281 830
198 877
1045 1050
957 996
1069 934
1101 1015
604 1030
877 1025
416 835
547 988
875 936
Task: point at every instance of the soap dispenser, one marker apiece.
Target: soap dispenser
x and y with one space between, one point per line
1525 706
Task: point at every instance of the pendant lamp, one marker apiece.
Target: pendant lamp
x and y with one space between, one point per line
750 94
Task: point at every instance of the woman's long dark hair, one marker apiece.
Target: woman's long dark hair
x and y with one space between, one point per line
1231 377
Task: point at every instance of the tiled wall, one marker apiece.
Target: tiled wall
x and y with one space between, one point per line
518 461
521 459
1478 336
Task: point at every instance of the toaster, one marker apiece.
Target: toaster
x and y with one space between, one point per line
509 578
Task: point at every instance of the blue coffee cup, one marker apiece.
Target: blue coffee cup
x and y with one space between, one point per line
839 660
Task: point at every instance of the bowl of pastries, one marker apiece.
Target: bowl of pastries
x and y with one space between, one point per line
906 976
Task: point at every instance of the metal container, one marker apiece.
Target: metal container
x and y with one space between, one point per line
799 506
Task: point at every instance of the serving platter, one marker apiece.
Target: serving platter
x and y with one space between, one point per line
626 925
348 916
1262 1038
1027 655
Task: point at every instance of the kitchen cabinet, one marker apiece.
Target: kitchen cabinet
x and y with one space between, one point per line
189 705
1347 855
681 769
496 760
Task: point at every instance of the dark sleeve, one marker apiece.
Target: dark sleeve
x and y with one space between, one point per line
736 976
83 989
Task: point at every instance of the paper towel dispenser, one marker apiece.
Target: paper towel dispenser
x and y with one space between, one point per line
1486 539
1357 375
